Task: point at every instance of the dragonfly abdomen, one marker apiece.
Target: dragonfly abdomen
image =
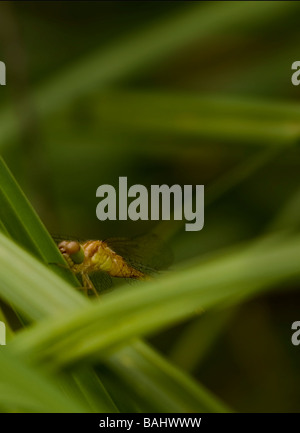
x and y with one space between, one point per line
102 258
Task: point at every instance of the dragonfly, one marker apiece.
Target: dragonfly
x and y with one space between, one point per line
96 262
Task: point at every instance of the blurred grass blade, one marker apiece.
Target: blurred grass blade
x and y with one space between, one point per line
160 40
20 221
21 227
3 228
36 291
25 389
205 329
223 119
32 288
84 382
288 217
138 311
183 395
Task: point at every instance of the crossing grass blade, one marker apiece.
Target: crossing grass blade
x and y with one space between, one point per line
33 289
20 221
26 389
137 311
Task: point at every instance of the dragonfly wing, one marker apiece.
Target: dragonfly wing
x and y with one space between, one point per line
59 238
146 253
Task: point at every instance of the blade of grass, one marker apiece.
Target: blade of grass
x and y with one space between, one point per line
184 394
288 216
248 270
34 289
132 353
205 329
227 120
158 41
27 390
26 283
20 221
39 298
84 383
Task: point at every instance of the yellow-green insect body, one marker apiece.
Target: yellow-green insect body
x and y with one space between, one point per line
93 256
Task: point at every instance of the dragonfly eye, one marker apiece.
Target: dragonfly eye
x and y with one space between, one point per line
73 249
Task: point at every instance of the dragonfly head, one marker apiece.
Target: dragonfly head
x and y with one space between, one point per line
73 250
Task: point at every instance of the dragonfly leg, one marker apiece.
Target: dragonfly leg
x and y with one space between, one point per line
87 284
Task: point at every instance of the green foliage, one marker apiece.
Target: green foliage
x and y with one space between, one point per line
150 103
34 291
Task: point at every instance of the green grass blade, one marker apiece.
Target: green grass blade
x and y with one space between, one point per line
27 390
84 383
27 284
229 120
205 329
159 41
20 221
137 311
36 291
182 394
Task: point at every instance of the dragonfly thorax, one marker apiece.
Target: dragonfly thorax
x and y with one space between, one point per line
100 256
